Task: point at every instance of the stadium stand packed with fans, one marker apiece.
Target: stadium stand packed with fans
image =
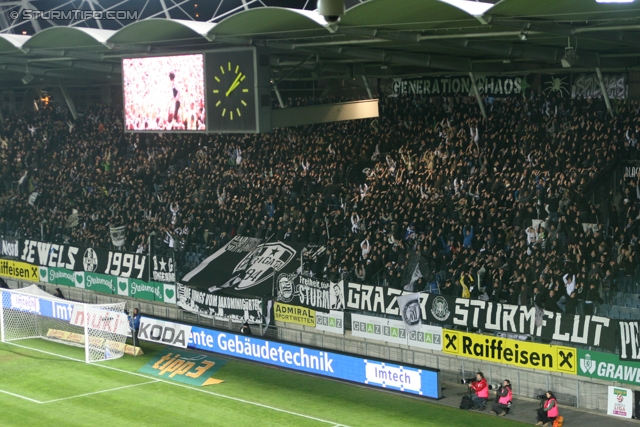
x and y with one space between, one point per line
429 196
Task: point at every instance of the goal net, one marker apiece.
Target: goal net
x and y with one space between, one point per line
30 312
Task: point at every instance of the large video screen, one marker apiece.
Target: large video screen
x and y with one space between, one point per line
164 93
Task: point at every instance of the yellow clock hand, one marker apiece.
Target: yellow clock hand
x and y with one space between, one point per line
235 84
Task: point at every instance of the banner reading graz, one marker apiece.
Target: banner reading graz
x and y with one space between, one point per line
246 267
90 260
458 85
309 292
489 316
219 306
395 331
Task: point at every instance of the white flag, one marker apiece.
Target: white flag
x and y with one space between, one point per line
539 316
417 274
410 311
118 235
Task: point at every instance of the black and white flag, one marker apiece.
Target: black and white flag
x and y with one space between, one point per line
410 311
247 267
118 235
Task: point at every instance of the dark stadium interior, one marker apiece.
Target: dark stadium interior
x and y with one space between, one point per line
199 162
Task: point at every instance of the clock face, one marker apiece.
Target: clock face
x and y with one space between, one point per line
232 91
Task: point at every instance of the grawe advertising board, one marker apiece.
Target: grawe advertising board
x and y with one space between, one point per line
607 366
407 379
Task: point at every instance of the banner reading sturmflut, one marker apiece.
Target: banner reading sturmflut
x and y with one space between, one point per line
489 316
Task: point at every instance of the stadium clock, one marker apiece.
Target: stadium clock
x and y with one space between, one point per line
233 87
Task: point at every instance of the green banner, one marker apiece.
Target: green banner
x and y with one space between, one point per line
152 291
61 276
143 290
184 366
606 366
97 282
57 276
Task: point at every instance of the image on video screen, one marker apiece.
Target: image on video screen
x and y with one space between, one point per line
164 93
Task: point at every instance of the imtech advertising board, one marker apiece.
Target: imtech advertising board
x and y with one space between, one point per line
414 380
522 354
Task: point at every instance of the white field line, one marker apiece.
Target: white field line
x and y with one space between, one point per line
200 390
98 392
20 397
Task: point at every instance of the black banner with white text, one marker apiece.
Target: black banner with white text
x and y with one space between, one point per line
91 260
489 316
219 306
309 292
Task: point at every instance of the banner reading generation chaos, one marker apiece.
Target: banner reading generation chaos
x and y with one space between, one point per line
489 316
523 354
497 86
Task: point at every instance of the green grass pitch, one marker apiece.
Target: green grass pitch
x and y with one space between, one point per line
40 389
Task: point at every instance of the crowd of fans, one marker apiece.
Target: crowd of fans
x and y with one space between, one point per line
429 196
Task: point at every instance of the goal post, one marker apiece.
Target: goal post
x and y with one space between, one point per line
30 312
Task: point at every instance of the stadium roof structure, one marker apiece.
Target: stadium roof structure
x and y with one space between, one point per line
374 38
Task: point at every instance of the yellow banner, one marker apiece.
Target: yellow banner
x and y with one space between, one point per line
19 270
294 314
512 352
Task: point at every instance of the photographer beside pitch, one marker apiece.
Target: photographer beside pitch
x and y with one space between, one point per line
481 391
504 397
549 410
